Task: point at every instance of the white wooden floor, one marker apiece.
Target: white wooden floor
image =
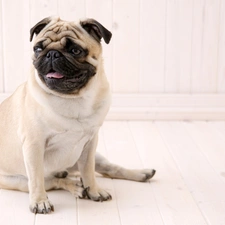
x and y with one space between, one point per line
188 188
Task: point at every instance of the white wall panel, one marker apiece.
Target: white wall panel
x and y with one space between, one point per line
1 52
152 45
197 37
126 46
27 45
71 9
178 46
221 53
206 41
211 45
184 45
41 9
14 33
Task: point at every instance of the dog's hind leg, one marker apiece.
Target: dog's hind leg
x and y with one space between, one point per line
104 167
20 183
14 183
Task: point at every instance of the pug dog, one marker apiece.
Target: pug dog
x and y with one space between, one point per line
49 126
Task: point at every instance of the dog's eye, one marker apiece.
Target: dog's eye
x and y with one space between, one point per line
76 51
37 49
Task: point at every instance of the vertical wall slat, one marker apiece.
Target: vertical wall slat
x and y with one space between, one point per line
172 49
26 39
1 52
14 48
210 45
71 10
197 44
102 11
204 78
152 45
126 46
221 55
178 46
185 42
41 9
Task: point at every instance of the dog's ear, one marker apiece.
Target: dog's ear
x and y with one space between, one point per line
96 30
39 26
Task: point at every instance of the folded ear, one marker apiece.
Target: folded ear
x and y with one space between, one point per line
96 30
39 26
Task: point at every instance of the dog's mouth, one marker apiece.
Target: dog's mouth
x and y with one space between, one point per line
63 76
54 75
67 83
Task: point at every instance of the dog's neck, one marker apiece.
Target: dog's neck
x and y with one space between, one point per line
72 106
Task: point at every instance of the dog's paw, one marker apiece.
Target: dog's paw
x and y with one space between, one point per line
42 207
75 187
98 195
147 174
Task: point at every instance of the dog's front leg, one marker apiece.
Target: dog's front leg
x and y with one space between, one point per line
86 166
33 153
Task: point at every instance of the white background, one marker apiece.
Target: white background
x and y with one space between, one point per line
166 59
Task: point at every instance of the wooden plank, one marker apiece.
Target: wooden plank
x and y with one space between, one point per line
122 140
14 208
205 185
135 200
1 53
126 46
173 198
136 203
221 49
152 45
14 60
102 11
178 46
72 10
219 125
65 210
213 148
90 212
205 46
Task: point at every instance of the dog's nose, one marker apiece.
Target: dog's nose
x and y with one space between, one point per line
53 54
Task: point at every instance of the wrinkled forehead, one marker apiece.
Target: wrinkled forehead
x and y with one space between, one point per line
58 33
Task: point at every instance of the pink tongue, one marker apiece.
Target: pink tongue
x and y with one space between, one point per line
54 75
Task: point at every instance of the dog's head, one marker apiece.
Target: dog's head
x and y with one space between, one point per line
66 54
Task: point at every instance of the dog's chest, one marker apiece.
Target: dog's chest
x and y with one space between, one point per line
66 142
68 126
63 149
